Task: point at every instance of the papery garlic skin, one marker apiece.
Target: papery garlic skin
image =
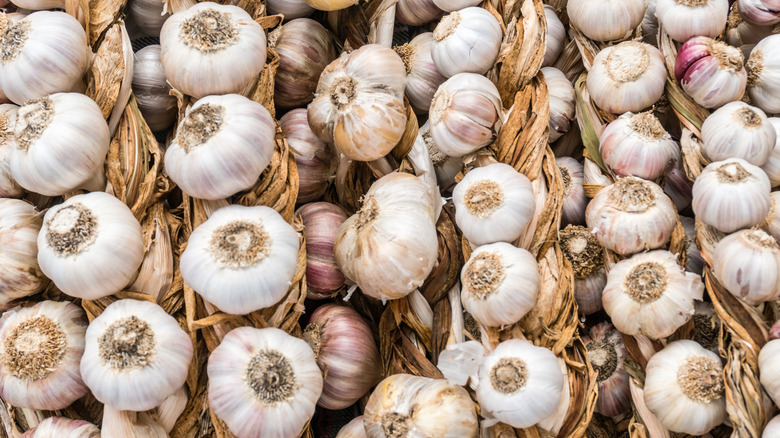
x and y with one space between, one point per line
330 5
684 388
91 245
606 353
53 45
19 271
747 263
562 102
358 106
62 427
446 167
41 347
291 9
684 19
241 259
772 165
768 371
263 382
772 429
650 294
695 262
316 160
711 72
650 24
353 429
466 41
586 256
150 88
8 187
494 203
321 222
416 12
637 145
740 32
406 405
731 194
763 68
212 49
422 76
607 20
738 130
760 12
147 15
574 200
556 36
772 222
627 77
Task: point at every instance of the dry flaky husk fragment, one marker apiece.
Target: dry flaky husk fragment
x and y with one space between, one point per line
102 13
527 28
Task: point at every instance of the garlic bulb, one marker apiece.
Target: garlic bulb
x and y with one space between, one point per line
416 12
764 74
711 72
607 20
631 215
263 382
136 355
772 223
684 388
627 77
315 159
738 130
53 45
519 384
61 141
772 165
291 9
241 259
740 33
731 194
148 16
562 102
390 245
359 105
556 36
768 371
455 5
353 429
677 185
404 405
500 283
772 429
36 5
607 355
62 427
650 294
330 5
305 48
90 245
221 147
650 24
41 347
574 200
494 203
637 145
747 263
151 88
19 227
466 114
446 167
466 41
321 222
586 256
760 12
212 49
684 19
422 76
8 187
345 351
695 262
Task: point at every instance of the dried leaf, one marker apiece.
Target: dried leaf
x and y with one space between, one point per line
524 58
102 13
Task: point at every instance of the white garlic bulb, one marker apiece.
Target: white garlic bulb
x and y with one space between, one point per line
53 46
556 36
390 245
684 388
466 114
353 429
242 258
445 166
627 77
684 19
41 347
562 102
637 145
19 227
291 9
136 355
212 49
455 5
62 427
650 294
711 72
147 15
263 382
330 5
359 103
494 203
607 20
747 263
760 12
500 283
764 74
519 384
406 405
37 5
466 41
772 429
768 371
731 194
8 187
586 256
315 159
631 215
574 200
738 130
151 88
416 12
607 355
90 245
422 76
61 141
772 165
221 147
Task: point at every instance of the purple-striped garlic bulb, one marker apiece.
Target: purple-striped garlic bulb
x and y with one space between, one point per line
321 222
711 72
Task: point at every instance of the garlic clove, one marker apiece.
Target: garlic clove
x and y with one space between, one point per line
422 76
466 41
711 72
291 9
321 222
61 427
764 74
353 429
583 251
608 20
684 19
561 102
151 89
747 263
556 36
315 159
607 354
637 145
21 276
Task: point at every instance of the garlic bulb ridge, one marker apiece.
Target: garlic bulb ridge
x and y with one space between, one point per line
8 187
291 9
556 35
769 375
321 222
466 41
316 160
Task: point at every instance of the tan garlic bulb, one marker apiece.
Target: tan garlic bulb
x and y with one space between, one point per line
60 144
561 102
359 103
586 256
291 9
241 259
684 19
731 194
221 147
466 114
631 215
684 388
62 427
764 74
416 12
41 348
637 145
606 20
316 160
53 45
445 166
406 405
353 429
747 263
422 76
321 222
148 16
345 351
694 260
305 48
212 49
772 165
769 375
19 227
650 294
8 187
711 72
330 5
556 36
738 130
466 41
607 355
627 77
90 245
574 200
263 382
150 88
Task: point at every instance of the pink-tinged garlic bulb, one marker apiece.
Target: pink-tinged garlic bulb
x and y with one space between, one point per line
353 429
562 102
695 262
684 19
9 188
574 200
586 256
291 9
416 12
738 130
321 222
556 36
606 20
772 165
40 351
711 72
760 12
607 355
19 271
422 76
466 41
763 69
637 145
61 427
316 160
345 351
747 263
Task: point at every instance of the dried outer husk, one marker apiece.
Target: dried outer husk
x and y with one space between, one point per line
156 274
102 13
522 61
80 10
173 6
589 121
110 77
262 90
570 61
350 25
446 272
353 179
693 158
